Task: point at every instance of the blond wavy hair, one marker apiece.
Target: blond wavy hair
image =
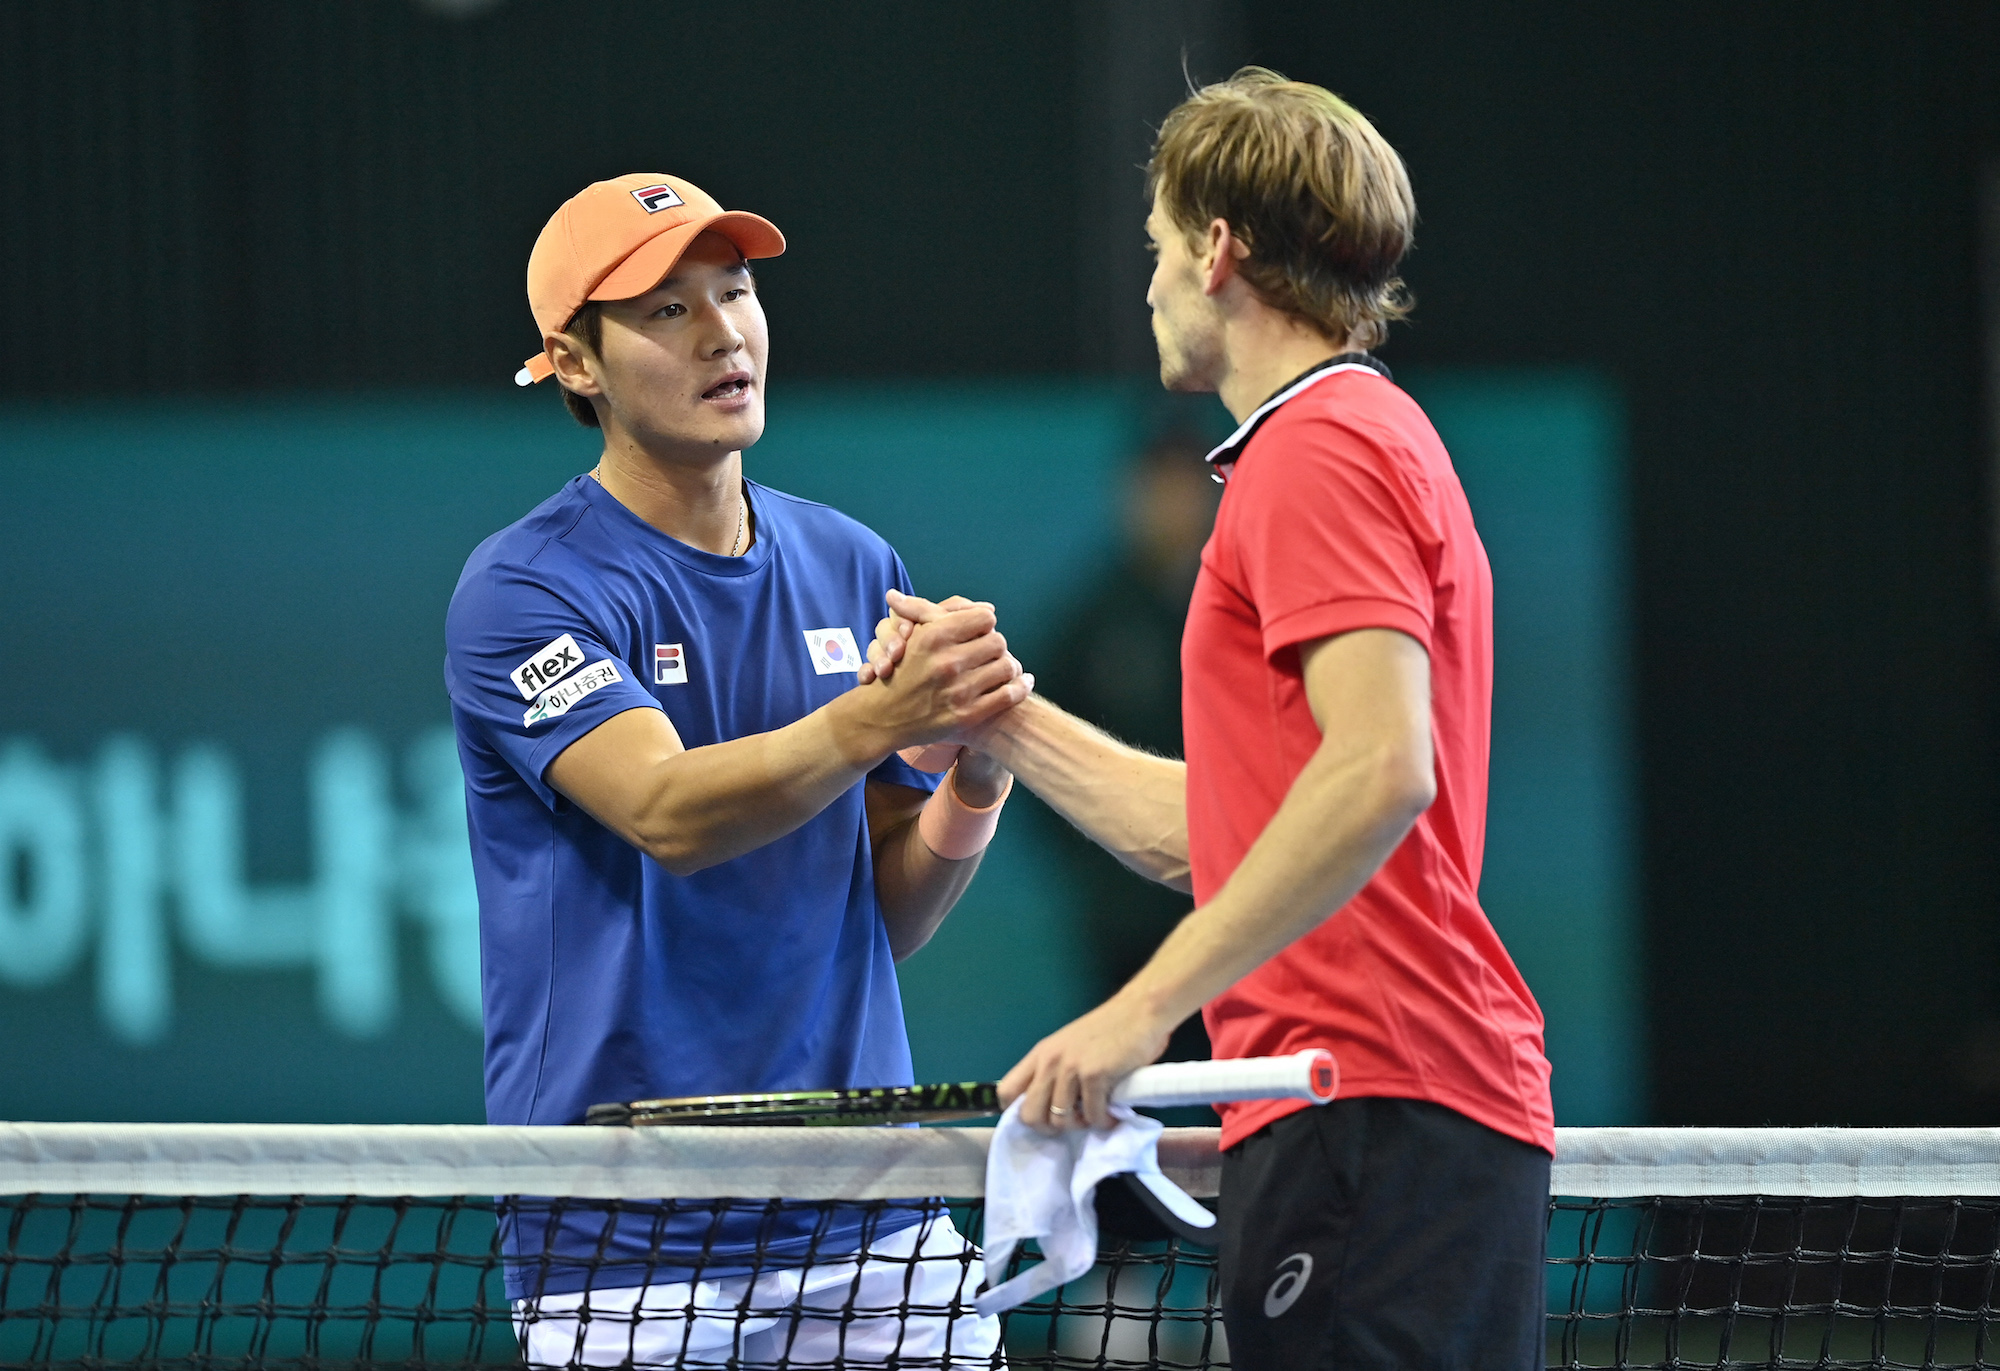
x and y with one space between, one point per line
1317 195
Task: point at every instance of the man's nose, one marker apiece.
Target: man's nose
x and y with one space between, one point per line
726 336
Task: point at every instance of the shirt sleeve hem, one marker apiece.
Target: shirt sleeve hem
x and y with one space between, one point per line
1343 616
552 745
894 770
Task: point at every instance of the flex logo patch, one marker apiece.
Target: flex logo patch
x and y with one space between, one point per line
546 667
670 664
833 650
653 199
558 700
1293 1273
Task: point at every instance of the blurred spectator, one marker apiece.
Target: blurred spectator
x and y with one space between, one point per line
1117 664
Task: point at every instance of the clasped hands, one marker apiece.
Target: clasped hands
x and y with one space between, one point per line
1066 1080
957 676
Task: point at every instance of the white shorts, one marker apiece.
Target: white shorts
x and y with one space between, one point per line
906 1297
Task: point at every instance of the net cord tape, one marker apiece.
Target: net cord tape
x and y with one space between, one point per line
885 1163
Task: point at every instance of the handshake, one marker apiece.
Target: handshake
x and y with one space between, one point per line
946 676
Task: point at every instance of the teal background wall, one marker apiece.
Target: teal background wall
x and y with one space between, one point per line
231 879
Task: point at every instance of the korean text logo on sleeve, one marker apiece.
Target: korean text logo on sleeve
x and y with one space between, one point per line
546 667
557 699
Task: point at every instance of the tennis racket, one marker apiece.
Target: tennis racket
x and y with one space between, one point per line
1311 1075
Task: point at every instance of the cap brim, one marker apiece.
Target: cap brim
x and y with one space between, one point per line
652 260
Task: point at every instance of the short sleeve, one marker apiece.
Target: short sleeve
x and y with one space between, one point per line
893 768
531 671
1329 537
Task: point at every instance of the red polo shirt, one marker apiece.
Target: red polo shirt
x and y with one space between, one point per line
1342 512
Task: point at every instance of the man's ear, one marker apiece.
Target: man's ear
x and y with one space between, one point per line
1221 250
575 369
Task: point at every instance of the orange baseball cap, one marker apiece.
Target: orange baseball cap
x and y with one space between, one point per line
616 239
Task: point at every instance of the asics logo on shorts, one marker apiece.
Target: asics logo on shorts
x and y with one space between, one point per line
1293 1273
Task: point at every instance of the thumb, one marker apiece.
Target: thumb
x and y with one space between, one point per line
914 607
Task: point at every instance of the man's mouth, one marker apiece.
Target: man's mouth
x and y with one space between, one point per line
728 387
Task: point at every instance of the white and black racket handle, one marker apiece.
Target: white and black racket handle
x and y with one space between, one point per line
1312 1075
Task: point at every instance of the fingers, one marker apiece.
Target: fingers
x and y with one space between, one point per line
1038 1081
990 673
950 653
1093 1095
987 691
1017 1080
892 634
885 649
959 625
915 608
987 694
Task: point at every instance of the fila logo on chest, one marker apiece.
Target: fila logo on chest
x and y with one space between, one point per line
670 665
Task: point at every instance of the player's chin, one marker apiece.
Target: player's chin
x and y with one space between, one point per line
1175 374
735 422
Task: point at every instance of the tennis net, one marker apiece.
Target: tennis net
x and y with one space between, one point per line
255 1246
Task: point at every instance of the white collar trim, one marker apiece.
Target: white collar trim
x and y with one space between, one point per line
1257 415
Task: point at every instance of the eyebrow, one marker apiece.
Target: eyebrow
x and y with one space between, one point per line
741 267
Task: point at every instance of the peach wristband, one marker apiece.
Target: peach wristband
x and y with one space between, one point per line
953 829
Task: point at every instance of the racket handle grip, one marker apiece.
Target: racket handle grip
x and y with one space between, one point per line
1309 1075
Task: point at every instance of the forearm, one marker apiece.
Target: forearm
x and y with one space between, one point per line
1130 803
1343 815
928 846
1341 819
916 888
706 805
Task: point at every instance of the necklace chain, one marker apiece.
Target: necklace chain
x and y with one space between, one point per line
742 514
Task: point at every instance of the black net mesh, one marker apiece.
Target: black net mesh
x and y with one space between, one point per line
242 1282
326 1282
1774 1282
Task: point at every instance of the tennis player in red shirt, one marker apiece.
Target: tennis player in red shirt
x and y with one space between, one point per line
1330 817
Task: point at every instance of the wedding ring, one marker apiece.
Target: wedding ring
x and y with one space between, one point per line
1057 1109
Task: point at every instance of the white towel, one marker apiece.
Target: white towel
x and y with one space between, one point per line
1041 1186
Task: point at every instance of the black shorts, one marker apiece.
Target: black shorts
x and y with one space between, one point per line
1384 1235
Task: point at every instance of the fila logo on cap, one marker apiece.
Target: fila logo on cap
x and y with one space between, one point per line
833 650
653 199
547 667
670 666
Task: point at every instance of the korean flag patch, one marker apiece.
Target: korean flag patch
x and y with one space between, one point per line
833 650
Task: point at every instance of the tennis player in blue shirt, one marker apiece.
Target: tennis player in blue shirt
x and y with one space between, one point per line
698 853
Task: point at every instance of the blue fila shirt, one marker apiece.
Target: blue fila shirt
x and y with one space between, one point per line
606 977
